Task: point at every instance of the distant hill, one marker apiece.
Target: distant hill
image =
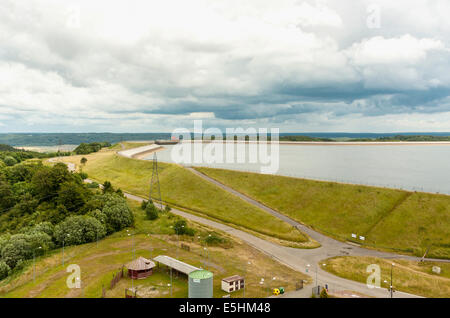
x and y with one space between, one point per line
54 139
4 147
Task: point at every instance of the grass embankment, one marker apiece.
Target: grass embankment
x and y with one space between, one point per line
152 238
392 219
411 277
182 188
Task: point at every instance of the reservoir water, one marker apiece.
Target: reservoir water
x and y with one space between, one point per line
412 167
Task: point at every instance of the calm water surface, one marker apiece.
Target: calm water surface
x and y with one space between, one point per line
412 167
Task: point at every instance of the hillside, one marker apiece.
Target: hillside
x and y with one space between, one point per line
394 219
182 188
98 263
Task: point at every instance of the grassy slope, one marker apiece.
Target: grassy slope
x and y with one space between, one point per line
183 188
98 264
411 277
388 218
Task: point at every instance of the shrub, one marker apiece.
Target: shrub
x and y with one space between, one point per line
151 211
167 208
118 214
324 293
181 228
16 250
144 205
4 270
214 239
79 230
99 215
43 227
10 161
83 175
107 187
92 185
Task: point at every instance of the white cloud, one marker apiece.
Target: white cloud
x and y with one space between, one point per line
135 63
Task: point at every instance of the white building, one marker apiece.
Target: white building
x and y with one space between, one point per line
232 283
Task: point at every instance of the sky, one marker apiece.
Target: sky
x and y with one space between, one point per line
154 66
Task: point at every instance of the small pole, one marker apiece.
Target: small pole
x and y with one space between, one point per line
171 282
392 265
34 267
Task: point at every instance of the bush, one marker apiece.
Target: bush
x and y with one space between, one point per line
92 185
118 214
167 208
83 175
214 239
4 270
43 227
15 251
10 161
144 205
324 293
99 215
77 230
181 228
151 211
107 187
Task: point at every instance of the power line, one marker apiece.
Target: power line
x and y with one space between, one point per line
154 183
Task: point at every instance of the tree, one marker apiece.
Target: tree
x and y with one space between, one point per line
7 198
107 187
72 196
79 230
47 181
144 204
16 250
118 214
83 161
151 211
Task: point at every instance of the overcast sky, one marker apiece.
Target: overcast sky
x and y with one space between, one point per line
152 66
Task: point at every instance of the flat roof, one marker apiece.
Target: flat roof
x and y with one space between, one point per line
232 278
201 274
176 264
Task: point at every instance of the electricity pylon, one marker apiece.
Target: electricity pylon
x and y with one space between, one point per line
154 183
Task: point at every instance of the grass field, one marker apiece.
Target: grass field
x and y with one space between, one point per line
152 238
411 277
182 188
392 219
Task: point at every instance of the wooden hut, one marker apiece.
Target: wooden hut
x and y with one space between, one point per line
140 268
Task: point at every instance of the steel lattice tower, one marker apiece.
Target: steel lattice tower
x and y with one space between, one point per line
154 183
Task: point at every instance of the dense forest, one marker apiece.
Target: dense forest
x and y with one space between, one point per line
54 139
41 207
84 148
9 156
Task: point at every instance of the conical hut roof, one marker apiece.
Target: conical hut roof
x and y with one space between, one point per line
140 264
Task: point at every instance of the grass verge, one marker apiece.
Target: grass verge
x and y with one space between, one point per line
408 276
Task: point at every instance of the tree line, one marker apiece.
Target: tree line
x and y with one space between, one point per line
42 208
